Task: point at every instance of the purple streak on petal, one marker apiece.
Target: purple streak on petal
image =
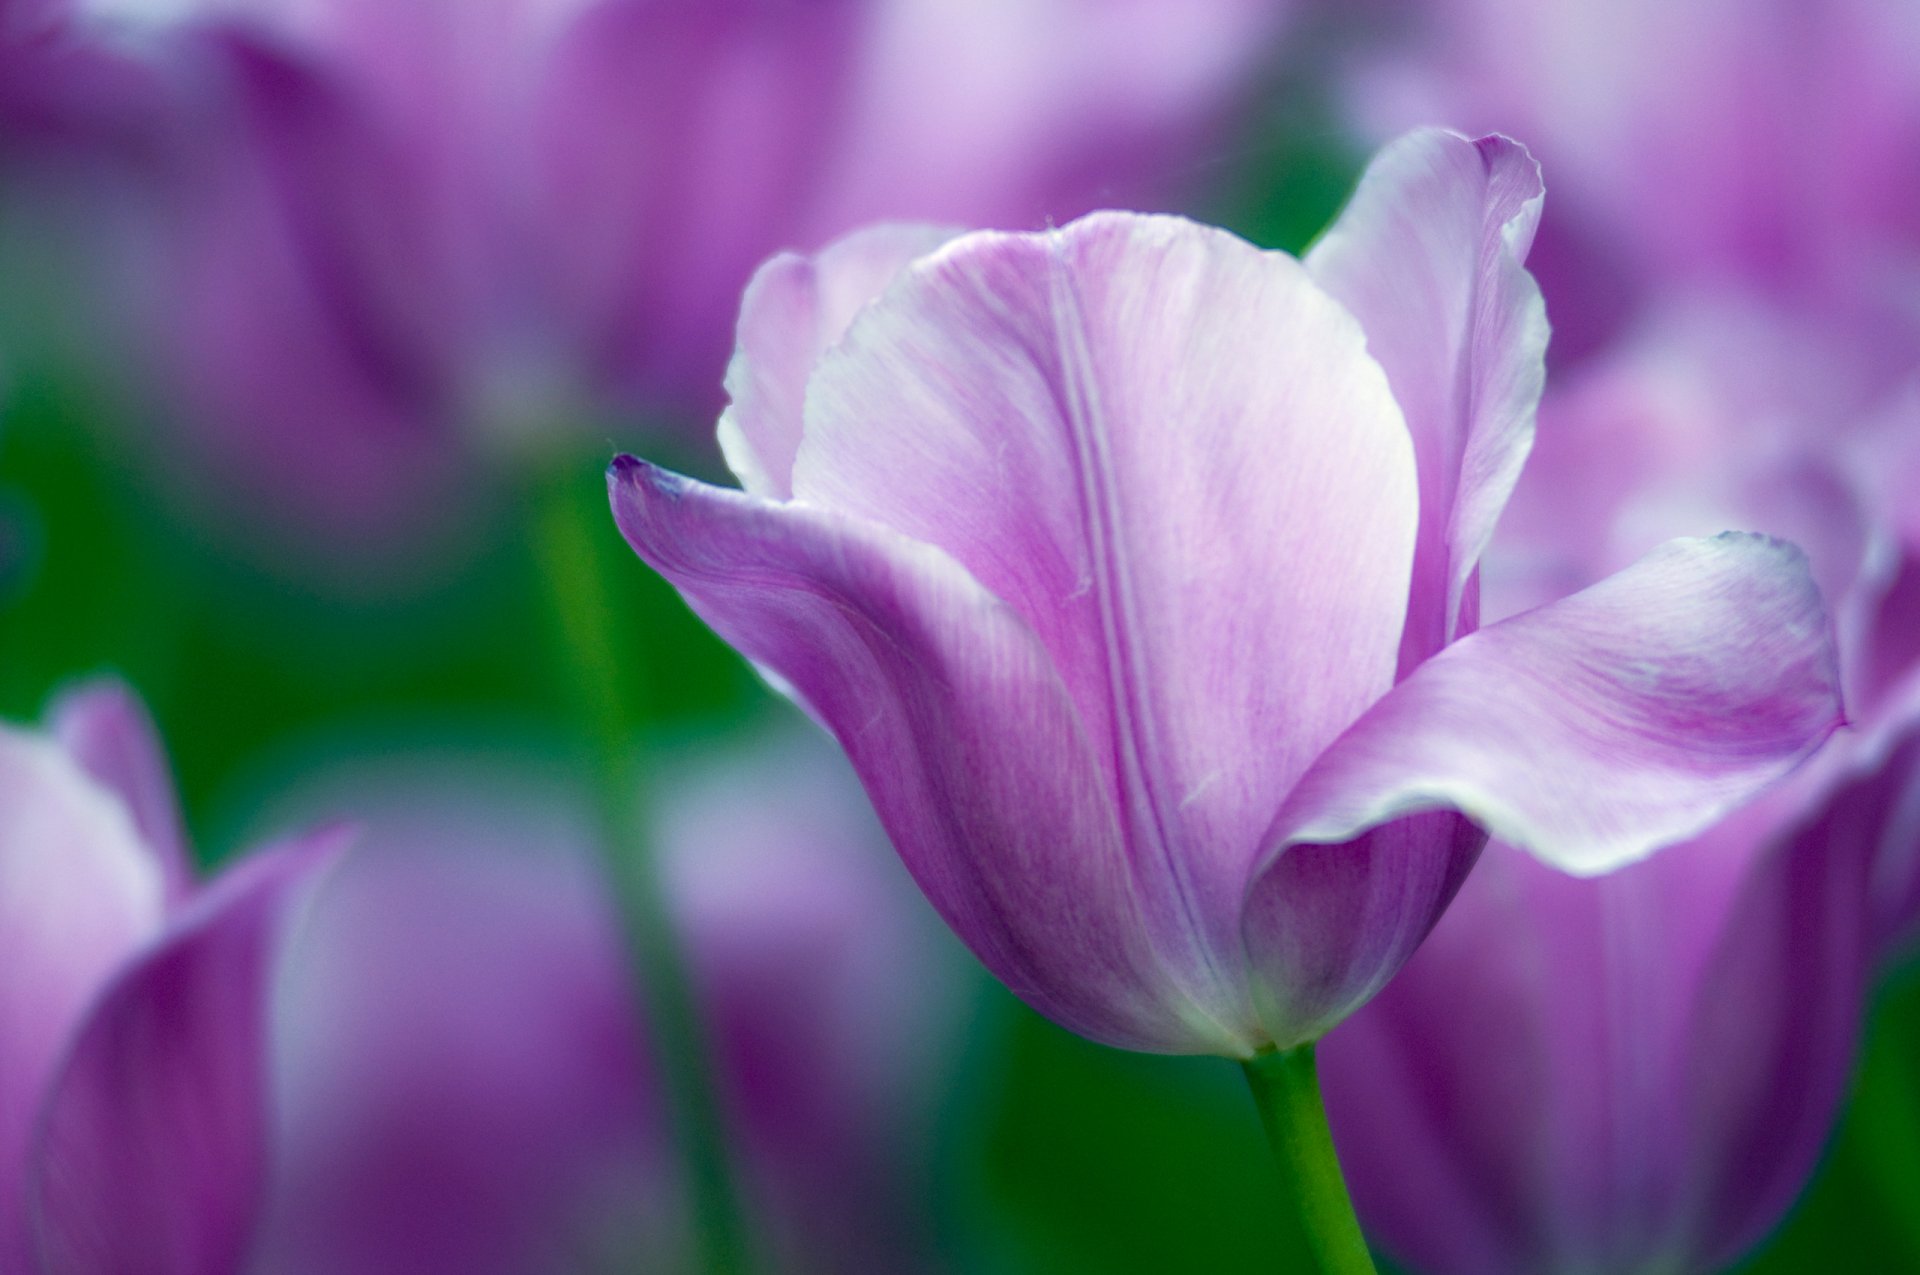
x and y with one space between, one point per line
1595 729
151 1153
959 727
795 308
106 730
1169 453
79 892
1430 256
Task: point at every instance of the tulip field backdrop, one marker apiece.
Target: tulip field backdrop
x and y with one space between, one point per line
419 615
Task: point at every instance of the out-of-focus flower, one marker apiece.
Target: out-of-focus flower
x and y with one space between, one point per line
133 1006
61 92
1638 1073
1770 143
464 1080
1134 568
1631 1074
403 234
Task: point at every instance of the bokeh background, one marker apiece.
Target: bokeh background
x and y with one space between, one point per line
306 646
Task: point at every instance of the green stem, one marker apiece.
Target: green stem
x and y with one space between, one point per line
1286 1089
607 681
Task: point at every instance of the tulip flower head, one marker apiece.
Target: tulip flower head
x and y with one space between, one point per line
1134 568
133 1007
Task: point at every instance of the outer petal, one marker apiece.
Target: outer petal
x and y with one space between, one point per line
795 308
106 730
78 893
958 726
1429 255
1591 731
1170 454
150 1154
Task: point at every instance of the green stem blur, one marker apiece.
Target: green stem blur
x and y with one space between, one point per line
577 552
1286 1090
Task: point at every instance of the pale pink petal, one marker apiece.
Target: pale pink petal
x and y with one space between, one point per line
793 310
1430 256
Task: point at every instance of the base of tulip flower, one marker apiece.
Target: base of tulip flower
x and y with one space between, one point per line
1286 1090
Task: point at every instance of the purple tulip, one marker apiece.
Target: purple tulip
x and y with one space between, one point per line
1638 1073
404 238
465 1084
1134 568
133 1006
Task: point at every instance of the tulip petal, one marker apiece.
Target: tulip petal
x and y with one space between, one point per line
795 308
1591 731
1328 924
1430 256
106 730
151 1152
78 894
958 726
1170 454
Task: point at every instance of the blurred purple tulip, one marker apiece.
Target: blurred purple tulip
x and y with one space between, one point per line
405 236
1773 143
133 1007
464 1082
1134 568
1638 1073
1635 1073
